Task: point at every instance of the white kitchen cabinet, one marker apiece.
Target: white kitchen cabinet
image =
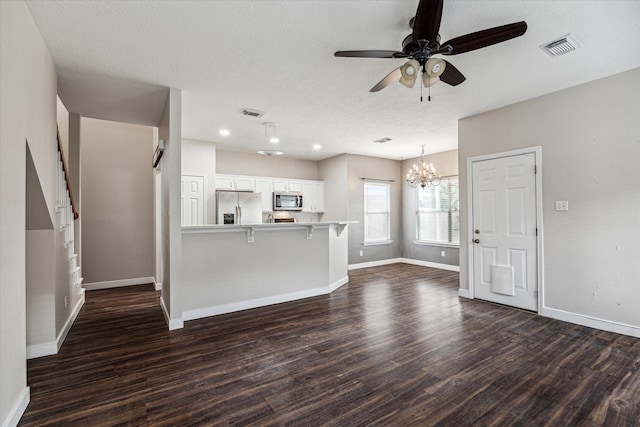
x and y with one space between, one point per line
287 185
313 196
235 183
265 186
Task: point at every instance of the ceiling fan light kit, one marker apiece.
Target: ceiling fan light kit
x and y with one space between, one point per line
424 42
409 72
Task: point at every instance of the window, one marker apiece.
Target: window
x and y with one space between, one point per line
376 212
438 215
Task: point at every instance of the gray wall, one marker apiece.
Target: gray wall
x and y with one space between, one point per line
117 201
170 130
359 167
446 163
230 162
590 139
200 157
27 113
333 172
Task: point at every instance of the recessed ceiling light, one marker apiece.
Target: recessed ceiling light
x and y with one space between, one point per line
317 146
224 132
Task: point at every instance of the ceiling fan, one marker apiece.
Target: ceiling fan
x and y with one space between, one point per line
424 42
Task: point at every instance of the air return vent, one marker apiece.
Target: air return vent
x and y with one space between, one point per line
382 140
564 44
252 112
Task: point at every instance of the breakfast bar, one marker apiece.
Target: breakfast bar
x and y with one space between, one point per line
228 268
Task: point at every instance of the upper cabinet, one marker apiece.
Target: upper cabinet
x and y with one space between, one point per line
313 196
235 183
265 186
312 191
287 185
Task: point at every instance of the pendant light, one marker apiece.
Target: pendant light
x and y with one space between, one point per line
272 139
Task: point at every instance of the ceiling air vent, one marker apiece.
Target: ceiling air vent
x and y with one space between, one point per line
251 112
382 140
564 44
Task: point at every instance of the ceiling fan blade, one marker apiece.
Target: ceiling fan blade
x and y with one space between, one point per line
392 77
427 21
369 54
483 38
451 75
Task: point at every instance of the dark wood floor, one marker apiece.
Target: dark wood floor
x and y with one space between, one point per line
396 346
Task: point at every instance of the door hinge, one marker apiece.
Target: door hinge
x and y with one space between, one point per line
536 231
535 169
535 294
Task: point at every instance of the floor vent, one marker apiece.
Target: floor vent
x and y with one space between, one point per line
564 44
252 113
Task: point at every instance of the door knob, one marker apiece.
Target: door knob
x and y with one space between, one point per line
476 241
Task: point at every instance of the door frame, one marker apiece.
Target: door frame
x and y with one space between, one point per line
537 152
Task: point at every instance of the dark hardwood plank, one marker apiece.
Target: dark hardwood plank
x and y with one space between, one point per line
396 346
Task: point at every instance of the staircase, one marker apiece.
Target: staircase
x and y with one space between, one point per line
67 213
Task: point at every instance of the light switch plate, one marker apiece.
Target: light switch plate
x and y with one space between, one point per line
562 205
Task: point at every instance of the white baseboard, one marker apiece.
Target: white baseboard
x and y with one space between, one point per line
118 283
40 350
157 286
338 284
374 263
448 267
464 293
172 323
50 348
591 322
252 303
18 409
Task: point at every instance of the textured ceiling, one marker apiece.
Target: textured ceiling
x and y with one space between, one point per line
115 60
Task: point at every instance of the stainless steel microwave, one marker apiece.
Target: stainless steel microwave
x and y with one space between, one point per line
287 201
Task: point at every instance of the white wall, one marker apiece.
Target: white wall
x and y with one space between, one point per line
590 139
27 112
117 202
200 157
446 164
230 162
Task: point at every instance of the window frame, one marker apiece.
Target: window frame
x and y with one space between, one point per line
366 212
448 180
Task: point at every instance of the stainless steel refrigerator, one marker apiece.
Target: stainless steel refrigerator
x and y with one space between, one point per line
238 207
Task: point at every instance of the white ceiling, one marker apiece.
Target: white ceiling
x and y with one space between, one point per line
115 60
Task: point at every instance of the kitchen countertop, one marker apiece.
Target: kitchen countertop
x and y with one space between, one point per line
262 226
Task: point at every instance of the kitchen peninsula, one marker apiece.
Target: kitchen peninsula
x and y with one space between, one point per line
229 268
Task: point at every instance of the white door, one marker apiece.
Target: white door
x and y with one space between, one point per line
192 200
504 231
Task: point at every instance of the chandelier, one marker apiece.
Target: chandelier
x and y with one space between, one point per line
423 175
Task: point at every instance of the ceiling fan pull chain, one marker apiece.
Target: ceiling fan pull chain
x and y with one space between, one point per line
429 98
420 93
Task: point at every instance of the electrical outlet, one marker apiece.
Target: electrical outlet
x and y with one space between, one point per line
361 253
441 253
66 301
562 205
